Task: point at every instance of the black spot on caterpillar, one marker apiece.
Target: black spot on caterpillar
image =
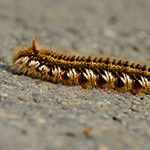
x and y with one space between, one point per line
86 72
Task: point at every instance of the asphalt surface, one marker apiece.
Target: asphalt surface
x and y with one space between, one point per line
38 115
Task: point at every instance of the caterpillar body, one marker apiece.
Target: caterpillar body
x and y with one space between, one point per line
86 72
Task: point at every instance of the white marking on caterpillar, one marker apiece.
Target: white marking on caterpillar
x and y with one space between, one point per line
60 71
106 77
123 78
142 81
18 61
43 68
74 72
88 73
147 82
34 63
54 71
69 74
128 79
111 76
25 59
92 74
85 75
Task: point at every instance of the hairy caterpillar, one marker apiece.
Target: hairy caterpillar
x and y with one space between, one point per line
86 72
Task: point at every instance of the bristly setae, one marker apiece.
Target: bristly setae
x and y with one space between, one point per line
70 70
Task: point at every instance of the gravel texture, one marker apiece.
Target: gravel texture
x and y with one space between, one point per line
38 115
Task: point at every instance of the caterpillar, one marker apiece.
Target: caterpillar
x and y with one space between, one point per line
81 71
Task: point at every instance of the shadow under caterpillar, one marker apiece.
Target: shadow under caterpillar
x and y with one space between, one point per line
86 72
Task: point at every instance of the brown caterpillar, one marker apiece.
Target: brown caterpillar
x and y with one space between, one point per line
70 70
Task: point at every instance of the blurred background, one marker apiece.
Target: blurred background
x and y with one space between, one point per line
118 28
